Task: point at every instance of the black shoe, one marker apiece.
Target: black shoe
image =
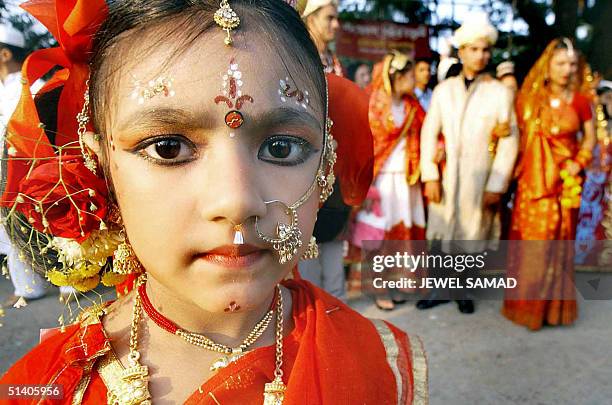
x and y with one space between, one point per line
431 300
398 297
465 306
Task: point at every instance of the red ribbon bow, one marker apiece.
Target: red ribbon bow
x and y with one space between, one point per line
73 23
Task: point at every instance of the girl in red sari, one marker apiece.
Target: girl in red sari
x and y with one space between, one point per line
551 113
396 117
200 153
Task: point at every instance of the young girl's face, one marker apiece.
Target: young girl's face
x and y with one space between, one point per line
184 177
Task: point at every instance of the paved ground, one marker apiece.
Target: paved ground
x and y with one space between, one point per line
474 359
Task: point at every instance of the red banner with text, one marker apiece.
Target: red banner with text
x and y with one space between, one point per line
371 40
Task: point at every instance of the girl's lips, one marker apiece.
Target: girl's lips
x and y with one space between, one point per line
233 256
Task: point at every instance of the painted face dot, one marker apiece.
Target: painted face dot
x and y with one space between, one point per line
234 119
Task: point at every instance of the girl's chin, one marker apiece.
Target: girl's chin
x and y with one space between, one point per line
237 298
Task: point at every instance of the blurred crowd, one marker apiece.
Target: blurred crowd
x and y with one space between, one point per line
468 151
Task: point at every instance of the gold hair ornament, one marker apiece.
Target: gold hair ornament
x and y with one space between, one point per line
228 20
83 120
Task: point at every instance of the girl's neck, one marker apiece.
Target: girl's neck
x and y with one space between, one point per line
226 328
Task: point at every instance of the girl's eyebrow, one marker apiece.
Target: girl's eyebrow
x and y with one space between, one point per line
165 116
285 115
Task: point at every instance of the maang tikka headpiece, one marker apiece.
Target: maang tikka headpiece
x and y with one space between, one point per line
228 20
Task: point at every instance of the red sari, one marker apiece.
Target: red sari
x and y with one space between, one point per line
386 138
388 135
545 292
333 356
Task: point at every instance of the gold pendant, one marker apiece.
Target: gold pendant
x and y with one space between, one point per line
133 389
274 392
225 361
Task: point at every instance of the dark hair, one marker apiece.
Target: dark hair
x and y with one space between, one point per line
422 59
19 54
352 69
132 22
454 70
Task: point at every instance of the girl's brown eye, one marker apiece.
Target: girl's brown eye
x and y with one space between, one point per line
285 150
168 149
280 149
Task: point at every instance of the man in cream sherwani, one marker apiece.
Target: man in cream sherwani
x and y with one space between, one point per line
475 114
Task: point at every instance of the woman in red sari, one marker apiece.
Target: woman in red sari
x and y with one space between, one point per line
551 113
200 153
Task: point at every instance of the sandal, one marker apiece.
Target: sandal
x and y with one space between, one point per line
384 304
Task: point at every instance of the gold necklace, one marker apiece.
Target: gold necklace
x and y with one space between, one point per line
274 392
197 339
133 388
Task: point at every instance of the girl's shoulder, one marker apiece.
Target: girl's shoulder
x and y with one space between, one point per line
64 354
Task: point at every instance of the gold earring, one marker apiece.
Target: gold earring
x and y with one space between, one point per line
227 19
125 260
312 251
327 178
288 238
83 120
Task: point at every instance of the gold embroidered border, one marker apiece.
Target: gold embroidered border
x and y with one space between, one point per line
80 389
419 371
110 370
392 350
88 317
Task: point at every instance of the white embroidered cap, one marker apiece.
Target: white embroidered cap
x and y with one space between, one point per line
476 26
314 5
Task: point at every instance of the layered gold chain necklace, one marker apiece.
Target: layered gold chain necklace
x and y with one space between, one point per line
197 339
133 389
